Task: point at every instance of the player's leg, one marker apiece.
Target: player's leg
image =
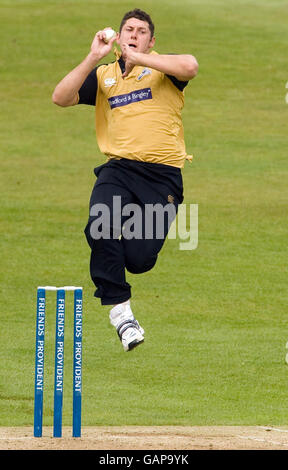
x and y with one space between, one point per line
107 261
141 253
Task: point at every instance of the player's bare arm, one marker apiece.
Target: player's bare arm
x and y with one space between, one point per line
66 92
183 66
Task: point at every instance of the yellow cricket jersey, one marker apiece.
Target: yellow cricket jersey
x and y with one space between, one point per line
139 117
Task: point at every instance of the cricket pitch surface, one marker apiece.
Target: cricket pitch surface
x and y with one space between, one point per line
149 438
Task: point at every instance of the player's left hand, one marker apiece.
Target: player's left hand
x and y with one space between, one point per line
130 58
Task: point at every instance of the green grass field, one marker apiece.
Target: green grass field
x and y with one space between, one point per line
215 318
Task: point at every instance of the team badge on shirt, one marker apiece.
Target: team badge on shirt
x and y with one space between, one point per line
143 73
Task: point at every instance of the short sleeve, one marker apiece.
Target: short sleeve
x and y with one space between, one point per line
178 83
88 91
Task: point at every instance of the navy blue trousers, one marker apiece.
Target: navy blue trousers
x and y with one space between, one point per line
136 183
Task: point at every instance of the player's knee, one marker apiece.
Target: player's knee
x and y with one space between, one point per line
138 266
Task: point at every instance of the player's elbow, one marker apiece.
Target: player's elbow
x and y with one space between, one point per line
61 100
189 68
57 99
192 67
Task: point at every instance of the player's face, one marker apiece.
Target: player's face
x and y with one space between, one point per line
137 34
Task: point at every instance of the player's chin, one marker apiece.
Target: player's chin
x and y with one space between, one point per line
133 48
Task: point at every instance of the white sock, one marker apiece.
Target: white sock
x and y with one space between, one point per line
120 313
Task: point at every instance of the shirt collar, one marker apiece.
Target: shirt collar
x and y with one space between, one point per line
121 63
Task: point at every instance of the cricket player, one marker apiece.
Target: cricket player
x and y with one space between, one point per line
138 100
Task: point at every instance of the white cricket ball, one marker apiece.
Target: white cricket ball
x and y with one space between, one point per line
109 33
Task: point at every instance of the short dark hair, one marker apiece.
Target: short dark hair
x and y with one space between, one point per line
140 15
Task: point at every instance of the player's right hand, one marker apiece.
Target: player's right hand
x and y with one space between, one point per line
99 46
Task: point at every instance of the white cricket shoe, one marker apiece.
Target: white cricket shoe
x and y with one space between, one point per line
129 331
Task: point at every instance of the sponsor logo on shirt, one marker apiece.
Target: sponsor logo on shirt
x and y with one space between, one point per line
132 97
109 82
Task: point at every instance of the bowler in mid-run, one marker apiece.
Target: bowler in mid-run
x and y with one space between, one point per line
138 100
